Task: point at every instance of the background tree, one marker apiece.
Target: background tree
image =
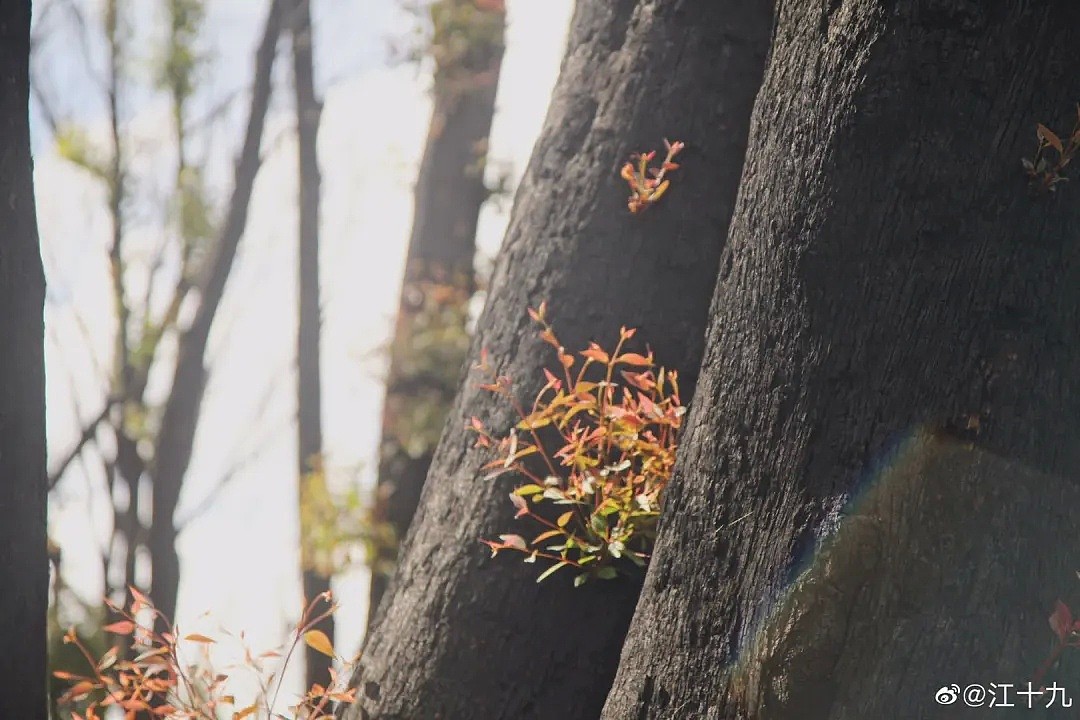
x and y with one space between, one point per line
877 495
460 634
308 338
23 562
430 337
189 262
180 415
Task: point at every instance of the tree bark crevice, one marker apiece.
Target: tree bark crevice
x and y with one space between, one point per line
460 634
887 271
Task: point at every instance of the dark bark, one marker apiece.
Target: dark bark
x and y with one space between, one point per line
24 564
463 635
430 337
176 438
877 495
309 382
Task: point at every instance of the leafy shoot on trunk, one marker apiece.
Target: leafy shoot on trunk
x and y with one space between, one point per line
596 449
1045 169
648 184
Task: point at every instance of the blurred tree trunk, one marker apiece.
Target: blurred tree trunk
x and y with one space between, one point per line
309 384
23 559
460 634
878 496
176 437
430 338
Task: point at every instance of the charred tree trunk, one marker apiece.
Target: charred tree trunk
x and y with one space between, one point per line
430 338
176 438
24 562
878 494
309 383
462 635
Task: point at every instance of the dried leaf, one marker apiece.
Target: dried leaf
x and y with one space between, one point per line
1047 135
317 640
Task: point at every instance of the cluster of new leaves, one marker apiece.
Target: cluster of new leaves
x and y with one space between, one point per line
613 421
159 683
1052 156
648 184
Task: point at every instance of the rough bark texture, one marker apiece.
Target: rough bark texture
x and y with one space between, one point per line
24 563
309 382
430 337
176 438
461 635
876 492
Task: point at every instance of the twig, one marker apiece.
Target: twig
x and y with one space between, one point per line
88 433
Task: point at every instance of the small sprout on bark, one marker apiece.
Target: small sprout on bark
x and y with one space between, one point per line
648 184
1052 155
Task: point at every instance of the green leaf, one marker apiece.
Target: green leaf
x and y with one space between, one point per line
599 523
551 570
607 573
581 579
528 490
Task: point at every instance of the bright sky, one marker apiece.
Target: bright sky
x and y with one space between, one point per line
239 558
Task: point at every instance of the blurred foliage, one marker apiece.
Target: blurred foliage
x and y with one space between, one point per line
337 528
343 528
427 354
75 146
464 38
69 613
180 58
162 682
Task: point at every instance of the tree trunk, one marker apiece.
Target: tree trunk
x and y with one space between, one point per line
24 562
430 338
463 635
877 496
176 438
309 383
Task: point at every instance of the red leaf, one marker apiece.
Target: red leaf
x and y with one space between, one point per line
1061 620
595 353
642 381
124 627
521 505
633 359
